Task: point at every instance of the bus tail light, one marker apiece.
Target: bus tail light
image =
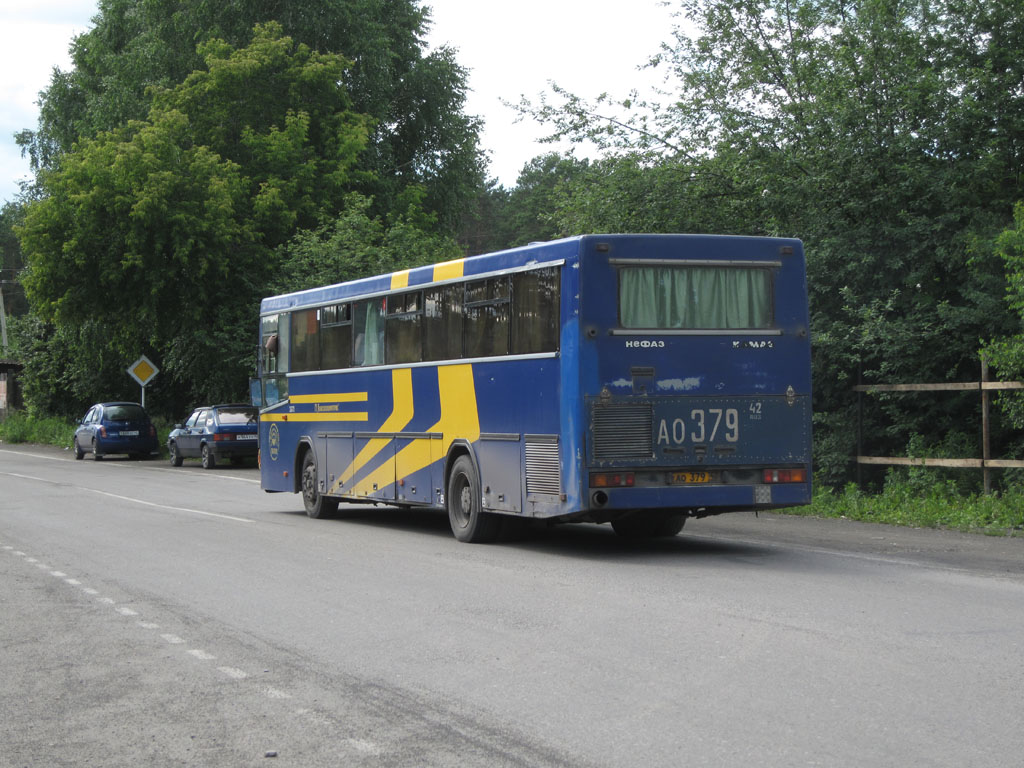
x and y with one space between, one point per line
772 476
611 479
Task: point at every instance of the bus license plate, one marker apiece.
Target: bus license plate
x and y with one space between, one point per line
681 478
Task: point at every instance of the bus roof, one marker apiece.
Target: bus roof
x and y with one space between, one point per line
490 263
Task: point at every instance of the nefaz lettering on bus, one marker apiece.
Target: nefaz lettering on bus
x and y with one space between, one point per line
636 380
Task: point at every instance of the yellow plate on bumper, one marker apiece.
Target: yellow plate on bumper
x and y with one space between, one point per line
680 478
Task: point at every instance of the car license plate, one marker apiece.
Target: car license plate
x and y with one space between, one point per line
680 478
246 437
130 433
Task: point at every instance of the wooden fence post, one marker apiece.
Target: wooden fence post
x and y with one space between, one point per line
986 454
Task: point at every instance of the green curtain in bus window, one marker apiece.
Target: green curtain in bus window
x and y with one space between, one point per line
368 348
695 297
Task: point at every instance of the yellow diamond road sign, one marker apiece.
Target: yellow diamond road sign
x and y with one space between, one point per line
143 370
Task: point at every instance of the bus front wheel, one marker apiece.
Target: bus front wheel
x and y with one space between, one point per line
465 505
317 505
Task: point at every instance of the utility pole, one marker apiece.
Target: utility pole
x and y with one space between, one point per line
3 318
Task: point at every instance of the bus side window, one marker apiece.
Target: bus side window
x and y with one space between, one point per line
368 333
305 340
535 302
335 336
269 344
442 323
486 324
405 328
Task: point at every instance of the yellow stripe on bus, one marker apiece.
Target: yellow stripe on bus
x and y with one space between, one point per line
400 280
459 420
401 414
339 397
326 416
450 270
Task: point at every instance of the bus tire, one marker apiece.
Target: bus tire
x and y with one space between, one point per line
317 505
466 516
649 525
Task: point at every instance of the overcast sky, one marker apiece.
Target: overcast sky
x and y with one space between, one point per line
511 49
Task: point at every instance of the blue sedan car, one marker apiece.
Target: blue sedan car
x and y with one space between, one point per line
215 432
115 428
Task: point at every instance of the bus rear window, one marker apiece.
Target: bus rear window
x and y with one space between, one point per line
695 297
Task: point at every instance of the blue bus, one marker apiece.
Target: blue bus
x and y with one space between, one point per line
636 380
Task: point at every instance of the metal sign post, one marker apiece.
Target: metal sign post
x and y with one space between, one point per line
143 371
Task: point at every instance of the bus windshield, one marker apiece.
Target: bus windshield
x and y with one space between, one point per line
695 297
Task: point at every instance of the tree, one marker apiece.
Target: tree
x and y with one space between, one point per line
1007 353
356 244
161 233
420 135
11 259
884 133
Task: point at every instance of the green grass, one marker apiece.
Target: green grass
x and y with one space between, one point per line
19 427
938 506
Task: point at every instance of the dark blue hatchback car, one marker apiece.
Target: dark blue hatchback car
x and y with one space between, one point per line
115 428
214 432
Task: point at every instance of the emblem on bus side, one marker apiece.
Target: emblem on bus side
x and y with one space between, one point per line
274 440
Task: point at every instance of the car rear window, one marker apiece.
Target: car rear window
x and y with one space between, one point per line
124 413
236 415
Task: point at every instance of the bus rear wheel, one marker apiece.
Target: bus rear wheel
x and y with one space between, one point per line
468 520
649 525
317 505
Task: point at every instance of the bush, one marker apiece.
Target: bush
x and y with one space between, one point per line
19 427
907 503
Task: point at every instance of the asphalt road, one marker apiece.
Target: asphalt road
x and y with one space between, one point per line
152 616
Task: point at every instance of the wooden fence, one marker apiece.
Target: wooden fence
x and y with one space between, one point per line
985 463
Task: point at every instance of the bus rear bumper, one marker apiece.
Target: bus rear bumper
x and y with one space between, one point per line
709 499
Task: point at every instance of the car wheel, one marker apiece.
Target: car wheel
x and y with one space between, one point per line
96 455
468 520
209 460
79 453
172 449
317 505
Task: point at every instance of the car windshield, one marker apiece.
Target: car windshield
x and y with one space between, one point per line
236 415
124 413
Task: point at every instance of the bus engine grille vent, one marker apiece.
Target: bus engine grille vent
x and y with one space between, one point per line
542 470
623 431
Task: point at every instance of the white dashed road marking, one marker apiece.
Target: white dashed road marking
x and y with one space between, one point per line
234 673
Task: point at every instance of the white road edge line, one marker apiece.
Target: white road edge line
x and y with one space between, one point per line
165 506
157 469
133 500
